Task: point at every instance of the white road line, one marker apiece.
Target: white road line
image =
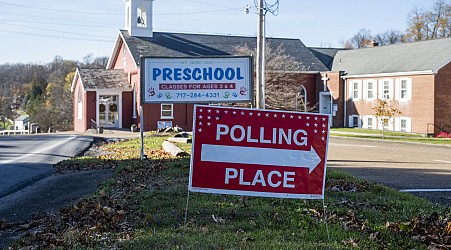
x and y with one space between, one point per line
351 145
425 190
442 161
39 151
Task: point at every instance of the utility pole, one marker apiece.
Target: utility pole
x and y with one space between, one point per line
261 56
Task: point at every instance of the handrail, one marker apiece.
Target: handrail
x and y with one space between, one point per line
93 124
448 126
440 128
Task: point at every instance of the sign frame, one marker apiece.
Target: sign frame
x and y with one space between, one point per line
208 160
195 91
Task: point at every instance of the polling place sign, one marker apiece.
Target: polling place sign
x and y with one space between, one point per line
258 152
196 79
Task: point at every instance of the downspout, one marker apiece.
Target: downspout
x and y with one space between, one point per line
345 101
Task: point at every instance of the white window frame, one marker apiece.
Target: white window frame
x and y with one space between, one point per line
368 89
124 56
162 115
80 104
390 124
369 118
389 94
351 121
408 89
398 124
353 90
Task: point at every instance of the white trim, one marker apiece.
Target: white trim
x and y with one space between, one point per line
398 121
352 89
161 111
408 89
390 124
436 70
351 121
119 104
394 74
390 89
365 120
366 89
115 51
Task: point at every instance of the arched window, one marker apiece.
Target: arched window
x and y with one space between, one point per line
141 19
301 99
80 104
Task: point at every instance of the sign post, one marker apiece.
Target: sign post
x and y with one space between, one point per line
259 152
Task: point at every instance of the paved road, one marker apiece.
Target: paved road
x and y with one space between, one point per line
424 170
29 158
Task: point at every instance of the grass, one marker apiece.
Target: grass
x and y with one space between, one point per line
389 135
231 222
359 214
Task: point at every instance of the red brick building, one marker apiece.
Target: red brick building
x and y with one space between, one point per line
413 77
112 100
347 84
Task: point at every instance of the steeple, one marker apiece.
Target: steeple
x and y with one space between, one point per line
138 17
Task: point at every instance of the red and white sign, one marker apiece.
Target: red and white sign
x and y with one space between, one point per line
259 152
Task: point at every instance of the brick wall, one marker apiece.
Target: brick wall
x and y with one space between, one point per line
443 99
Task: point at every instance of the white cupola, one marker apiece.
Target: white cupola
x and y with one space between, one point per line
138 17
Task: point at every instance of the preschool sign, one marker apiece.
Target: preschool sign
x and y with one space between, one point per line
196 79
258 152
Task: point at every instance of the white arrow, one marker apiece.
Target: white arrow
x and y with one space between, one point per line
261 156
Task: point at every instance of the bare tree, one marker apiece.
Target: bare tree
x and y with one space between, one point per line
430 24
361 39
389 37
282 87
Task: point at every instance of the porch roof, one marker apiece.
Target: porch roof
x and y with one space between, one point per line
93 79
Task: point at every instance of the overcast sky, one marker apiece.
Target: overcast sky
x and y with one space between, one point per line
38 30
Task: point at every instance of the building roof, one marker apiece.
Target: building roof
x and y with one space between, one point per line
425 56
325 55
103 79
21 118
179 45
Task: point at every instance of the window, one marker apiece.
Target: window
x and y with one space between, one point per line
167 111
355 90
369 122
404 89
386 89
80 104
354 121
124 58
370 89
302 99
141 19
403 124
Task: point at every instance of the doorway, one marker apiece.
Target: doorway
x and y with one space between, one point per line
108 111
325 104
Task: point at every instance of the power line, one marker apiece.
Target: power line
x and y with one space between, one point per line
27 19
225 9
59 37
59 10
59 31
65 24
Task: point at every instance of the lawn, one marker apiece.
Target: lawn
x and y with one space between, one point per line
143 207
388 135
